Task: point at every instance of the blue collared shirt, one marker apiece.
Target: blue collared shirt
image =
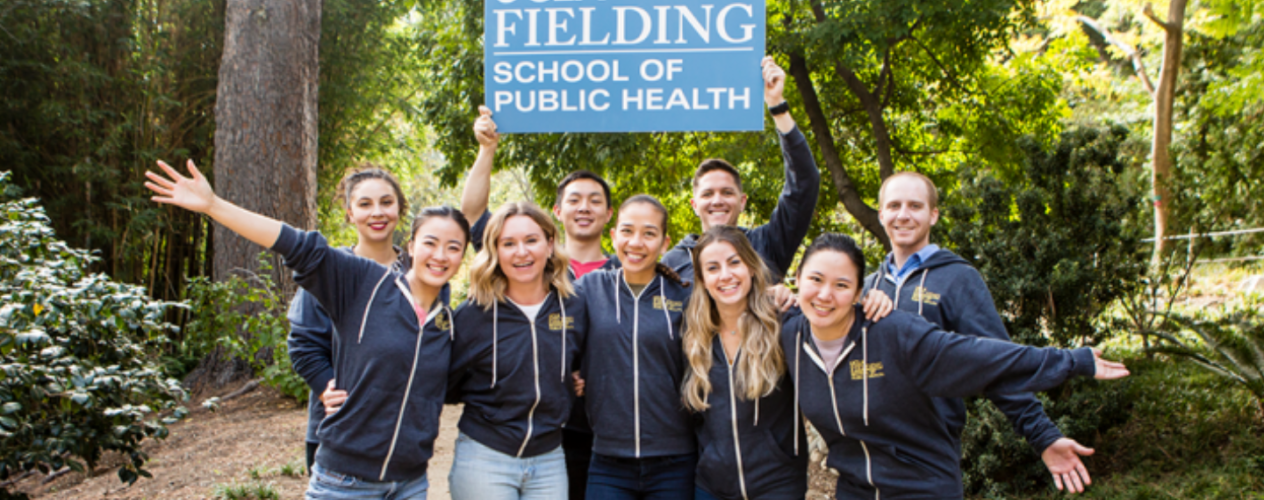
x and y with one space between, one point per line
913 263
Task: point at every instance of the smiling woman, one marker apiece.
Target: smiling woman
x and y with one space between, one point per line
396 338
511 365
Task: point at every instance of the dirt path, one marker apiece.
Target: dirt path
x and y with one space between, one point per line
248 441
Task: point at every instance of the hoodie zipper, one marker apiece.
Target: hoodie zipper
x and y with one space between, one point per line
829 376
737 441
636 363
403 404
535 361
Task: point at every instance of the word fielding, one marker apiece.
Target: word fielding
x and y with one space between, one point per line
624 65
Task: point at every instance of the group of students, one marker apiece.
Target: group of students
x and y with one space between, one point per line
658 373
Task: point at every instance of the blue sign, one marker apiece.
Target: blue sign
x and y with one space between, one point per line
624 65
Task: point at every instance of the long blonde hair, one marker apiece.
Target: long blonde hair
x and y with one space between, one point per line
488 282
761 363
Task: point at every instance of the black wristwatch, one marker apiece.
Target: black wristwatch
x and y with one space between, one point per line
780 109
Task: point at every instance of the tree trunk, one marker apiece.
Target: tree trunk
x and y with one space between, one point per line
846 191
265 122
1164 95
265 135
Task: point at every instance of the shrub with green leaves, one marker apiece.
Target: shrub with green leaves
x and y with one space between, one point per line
1059 241
246 316
75 373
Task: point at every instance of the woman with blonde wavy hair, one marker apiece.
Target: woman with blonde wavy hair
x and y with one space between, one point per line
511 364
751 441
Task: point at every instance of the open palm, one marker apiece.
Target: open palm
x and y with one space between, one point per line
191 193
1106 369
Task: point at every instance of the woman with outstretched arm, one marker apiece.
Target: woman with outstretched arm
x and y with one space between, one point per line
869 388
394 342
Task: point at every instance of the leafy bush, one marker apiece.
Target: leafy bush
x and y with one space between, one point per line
1058 245
246 317
997 462
75 380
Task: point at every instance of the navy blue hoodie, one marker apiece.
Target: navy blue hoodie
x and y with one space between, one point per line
633 367
514 374
393 368
949 292
875 407
766 457
311 347
779 239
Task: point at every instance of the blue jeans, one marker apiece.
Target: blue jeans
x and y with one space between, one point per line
481 473
655 478
330 485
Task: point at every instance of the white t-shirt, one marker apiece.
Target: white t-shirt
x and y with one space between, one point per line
530 311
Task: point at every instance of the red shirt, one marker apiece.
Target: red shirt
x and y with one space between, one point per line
582 268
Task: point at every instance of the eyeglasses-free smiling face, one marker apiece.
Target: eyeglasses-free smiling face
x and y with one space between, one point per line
373 209
726 277
717 200
437 250
639 240
523 250
906 212
829 284
583 209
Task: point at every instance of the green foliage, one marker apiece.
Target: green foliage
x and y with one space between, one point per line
251 491
75 380
217 317
91 93
1058 245
997 462
1228 342
1169 431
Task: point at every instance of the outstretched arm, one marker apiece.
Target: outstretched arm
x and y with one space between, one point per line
478 182
946 364
194 193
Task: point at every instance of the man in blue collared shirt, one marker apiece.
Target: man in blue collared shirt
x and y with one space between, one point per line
946 290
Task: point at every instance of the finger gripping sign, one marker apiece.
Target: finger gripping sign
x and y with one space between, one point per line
624 65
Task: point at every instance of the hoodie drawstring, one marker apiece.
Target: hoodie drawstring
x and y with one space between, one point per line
562 304
662 295
864 337
798 342
922 290
618 315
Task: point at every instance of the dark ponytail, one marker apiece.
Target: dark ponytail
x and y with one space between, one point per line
670 273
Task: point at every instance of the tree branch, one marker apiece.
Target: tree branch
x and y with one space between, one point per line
1148 10
846 191
1138 65
952 79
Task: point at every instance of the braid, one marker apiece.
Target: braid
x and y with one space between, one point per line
670 274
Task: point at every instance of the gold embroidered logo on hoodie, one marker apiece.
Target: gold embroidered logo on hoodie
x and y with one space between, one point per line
442 322
857 372
555 322
672 305
921 294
